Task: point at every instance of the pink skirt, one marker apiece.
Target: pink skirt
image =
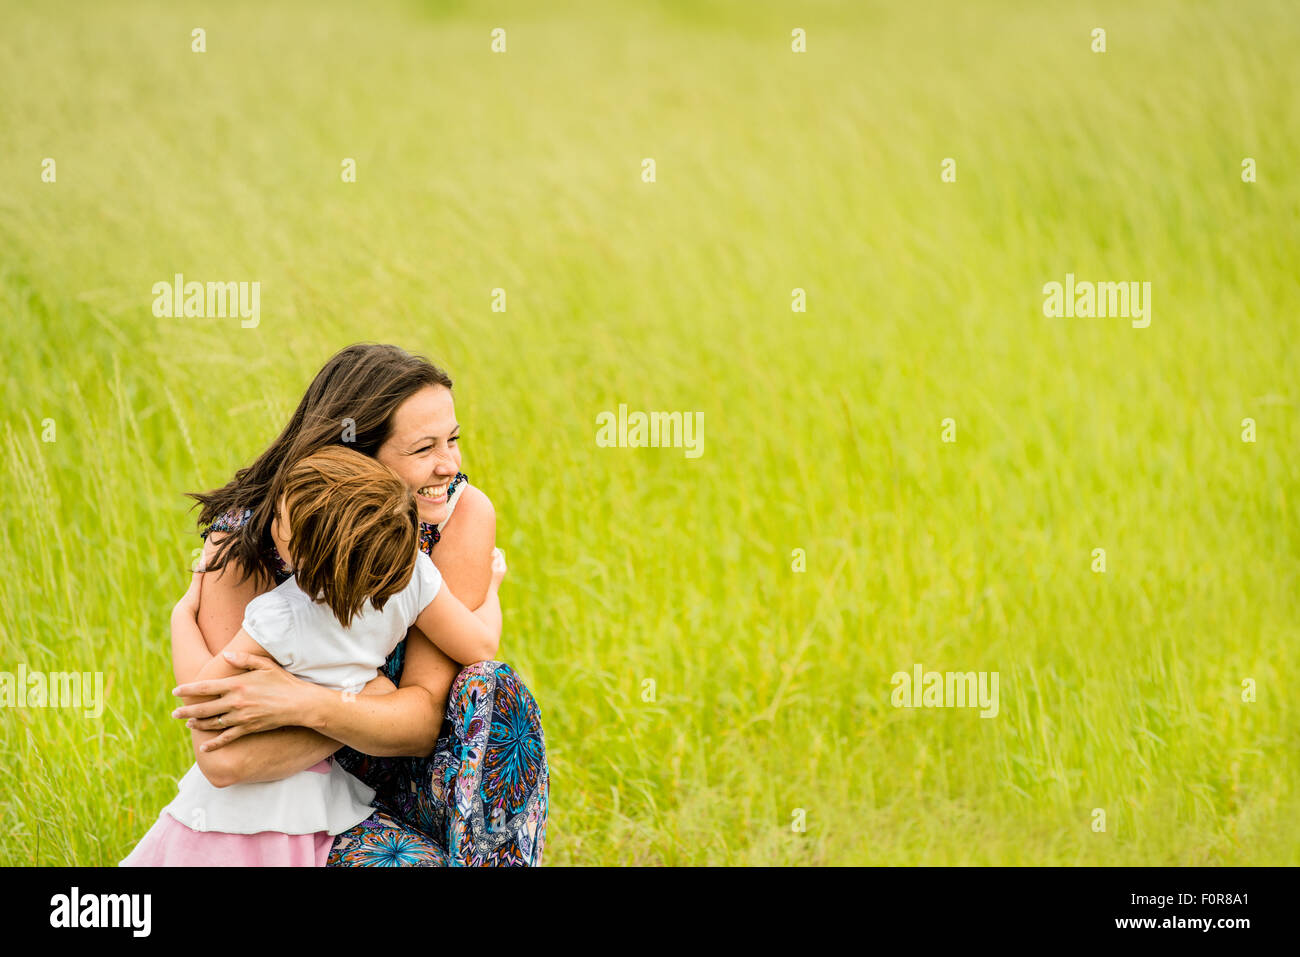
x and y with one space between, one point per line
169 843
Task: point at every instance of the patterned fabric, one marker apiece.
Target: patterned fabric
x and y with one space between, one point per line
384 841
430 535
480 798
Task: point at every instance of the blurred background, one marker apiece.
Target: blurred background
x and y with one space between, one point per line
766 733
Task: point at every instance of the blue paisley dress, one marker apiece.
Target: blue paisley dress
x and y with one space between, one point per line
480 798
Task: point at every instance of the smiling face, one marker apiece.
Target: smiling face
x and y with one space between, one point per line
423 448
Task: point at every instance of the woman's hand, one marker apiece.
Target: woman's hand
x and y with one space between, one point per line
264 697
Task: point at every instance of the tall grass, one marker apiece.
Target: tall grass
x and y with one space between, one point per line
771 687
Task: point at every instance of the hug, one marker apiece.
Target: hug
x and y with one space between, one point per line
334 650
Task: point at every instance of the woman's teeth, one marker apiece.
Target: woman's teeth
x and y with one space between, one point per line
433 491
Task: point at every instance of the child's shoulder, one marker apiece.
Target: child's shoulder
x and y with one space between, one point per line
281 619
284 605
426 582
426 573
405 606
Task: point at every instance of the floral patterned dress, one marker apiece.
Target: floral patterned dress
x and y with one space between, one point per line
480 798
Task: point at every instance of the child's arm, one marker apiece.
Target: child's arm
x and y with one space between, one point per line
466 636
490 611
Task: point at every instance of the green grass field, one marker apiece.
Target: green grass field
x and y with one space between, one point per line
775 170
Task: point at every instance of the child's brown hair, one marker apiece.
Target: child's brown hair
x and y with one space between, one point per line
353 529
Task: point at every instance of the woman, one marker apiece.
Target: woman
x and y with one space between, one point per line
468 789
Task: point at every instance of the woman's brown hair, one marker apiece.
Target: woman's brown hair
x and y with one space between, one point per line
353 530
350 403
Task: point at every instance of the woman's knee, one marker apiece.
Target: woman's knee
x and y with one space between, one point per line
484 681
481 670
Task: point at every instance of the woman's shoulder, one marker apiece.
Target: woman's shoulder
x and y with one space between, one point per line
470 532
474 506
473 518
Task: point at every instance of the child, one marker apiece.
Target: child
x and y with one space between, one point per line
347 527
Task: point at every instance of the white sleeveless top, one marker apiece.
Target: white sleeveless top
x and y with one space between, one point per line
451 503
307 640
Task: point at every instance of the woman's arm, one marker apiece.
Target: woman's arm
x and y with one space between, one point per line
260 697
464 555
189 651
220 667
217 667
222 615
300 745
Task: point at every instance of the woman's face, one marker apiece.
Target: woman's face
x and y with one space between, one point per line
424 449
